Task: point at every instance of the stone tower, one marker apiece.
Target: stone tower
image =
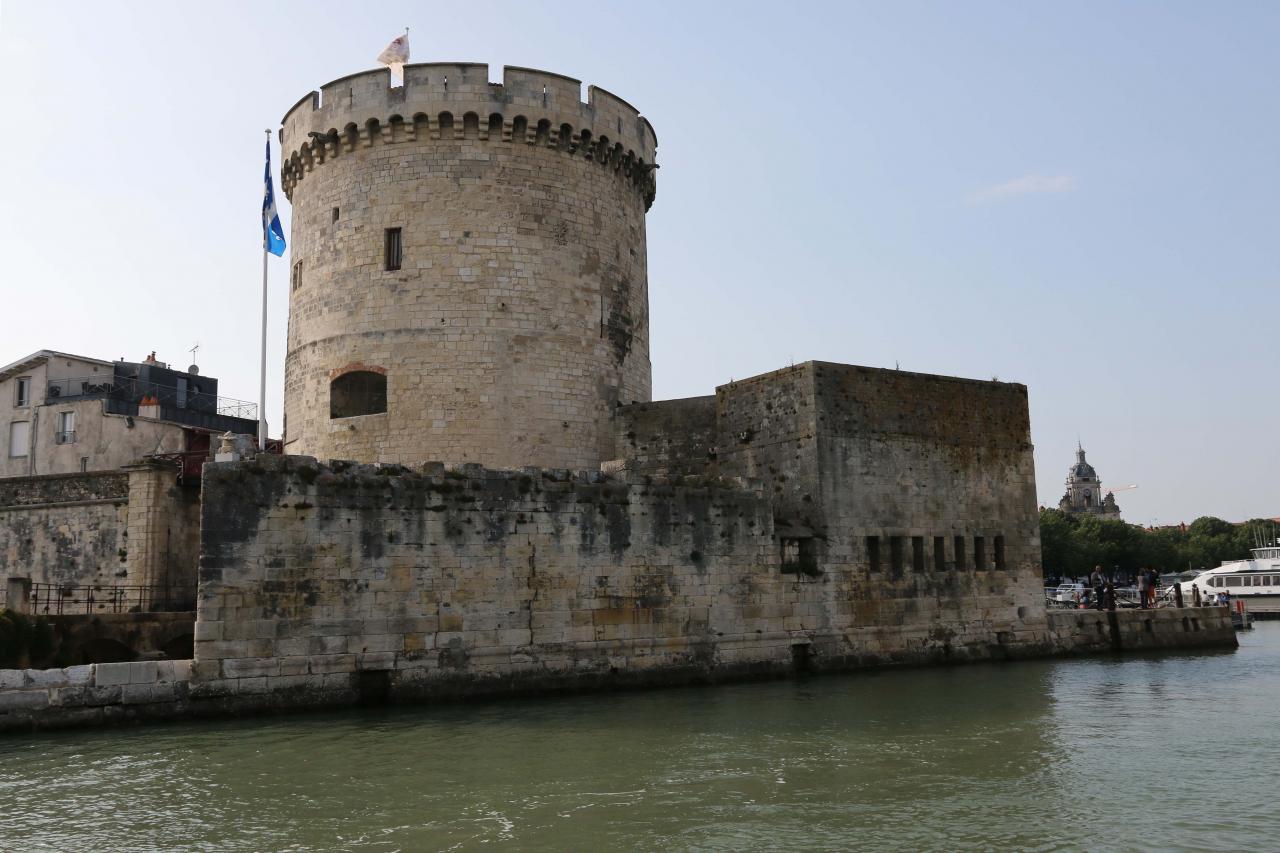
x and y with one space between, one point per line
1084 491
469 275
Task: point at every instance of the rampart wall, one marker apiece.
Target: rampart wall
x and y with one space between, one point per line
130 528
64 529
317 578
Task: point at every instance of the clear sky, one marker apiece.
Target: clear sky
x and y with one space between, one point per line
1081 197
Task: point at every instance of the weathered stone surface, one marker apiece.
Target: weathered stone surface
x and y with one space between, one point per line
519 316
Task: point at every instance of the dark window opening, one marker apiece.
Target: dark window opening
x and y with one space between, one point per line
873 553
799 556
895 554
335 214
296 280
999 553
917 553
959 545
393 250
980 553
939 554
360 392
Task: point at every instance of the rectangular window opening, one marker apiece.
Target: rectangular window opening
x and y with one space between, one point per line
66 428
959 546
873 553
999 553
296 280
939 553
335 214
24 392
84 463
394 249
895 554
798 556
19 438
980 553
917 553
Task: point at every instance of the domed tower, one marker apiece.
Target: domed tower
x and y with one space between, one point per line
469 276
1084 490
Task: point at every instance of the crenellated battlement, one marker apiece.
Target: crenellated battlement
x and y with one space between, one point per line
455 100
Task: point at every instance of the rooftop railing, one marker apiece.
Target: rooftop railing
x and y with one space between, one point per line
135 392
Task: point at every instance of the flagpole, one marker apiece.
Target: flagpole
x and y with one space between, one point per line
262 370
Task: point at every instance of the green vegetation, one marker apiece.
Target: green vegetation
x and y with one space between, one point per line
23 639
1073 544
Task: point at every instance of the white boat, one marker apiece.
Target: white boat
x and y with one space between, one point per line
1257 577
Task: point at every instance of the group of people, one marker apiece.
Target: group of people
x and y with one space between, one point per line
1100 591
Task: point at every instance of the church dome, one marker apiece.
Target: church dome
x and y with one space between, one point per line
1082 470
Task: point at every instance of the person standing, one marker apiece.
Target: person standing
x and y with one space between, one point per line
1153 584
1142 587
1099 583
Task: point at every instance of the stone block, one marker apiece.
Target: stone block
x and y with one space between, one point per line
77 675
298 665
24 700
250 667
208 631
12 679
377 660
110 674
143 672
326 664
46 678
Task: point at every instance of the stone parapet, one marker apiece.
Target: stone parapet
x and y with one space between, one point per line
457 101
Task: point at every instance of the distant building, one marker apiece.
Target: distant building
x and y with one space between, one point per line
1084 491
62 413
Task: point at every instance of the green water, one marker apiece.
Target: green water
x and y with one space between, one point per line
1151 753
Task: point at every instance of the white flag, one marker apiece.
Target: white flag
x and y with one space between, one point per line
396 55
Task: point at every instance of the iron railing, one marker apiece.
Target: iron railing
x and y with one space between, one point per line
137 392
51 599
65 437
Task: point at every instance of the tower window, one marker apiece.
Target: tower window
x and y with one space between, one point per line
917 553
980 553
939 554
999 553
361 392
296 281
959 544
335 214
393 249
798 557
873 553
895 555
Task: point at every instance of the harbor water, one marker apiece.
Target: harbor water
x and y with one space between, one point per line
1171 752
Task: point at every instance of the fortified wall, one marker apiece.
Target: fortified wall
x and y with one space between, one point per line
100 531
822 517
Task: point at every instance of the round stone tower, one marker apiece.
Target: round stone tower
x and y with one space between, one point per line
469 275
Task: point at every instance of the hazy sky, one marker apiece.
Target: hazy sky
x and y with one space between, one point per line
1079 197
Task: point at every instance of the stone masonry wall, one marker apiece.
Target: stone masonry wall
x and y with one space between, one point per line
64 529
858 460
119 528
322 581
518 318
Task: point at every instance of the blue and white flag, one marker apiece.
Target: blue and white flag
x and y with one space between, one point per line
272 233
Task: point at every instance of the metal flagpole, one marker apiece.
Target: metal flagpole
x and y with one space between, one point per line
262 372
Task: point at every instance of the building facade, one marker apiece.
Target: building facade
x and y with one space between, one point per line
1084 491
63 413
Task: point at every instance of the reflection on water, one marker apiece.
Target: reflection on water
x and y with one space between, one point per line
1134 754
